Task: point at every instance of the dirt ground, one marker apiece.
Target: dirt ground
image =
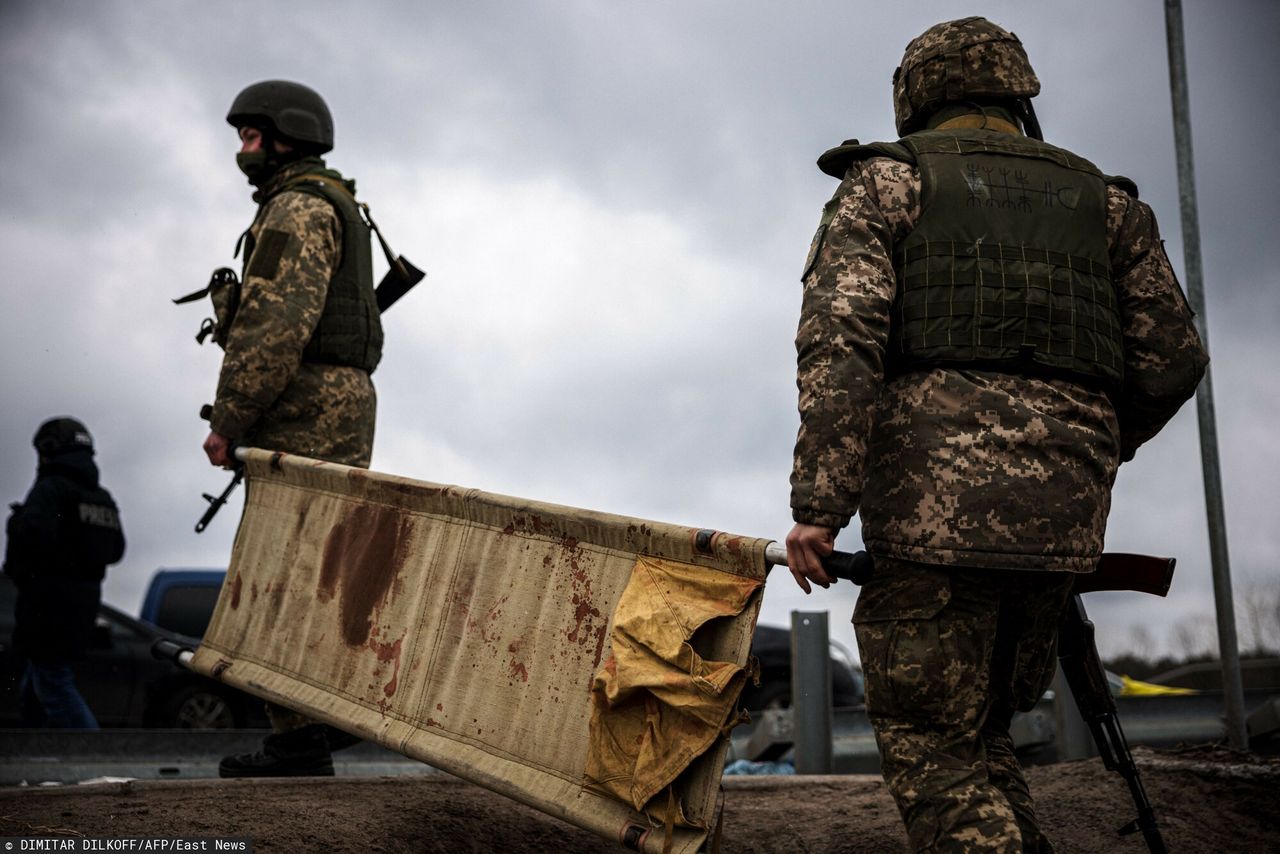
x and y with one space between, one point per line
1207 800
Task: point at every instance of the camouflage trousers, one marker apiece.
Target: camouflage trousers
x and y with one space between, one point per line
949 655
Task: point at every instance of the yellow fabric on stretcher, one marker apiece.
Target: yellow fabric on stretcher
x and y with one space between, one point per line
657 703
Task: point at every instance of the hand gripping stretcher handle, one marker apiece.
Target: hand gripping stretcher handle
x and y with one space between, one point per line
851 566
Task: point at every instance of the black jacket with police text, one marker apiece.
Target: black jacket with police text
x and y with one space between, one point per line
60 541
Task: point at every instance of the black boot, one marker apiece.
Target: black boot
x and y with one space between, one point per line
338 739
299 753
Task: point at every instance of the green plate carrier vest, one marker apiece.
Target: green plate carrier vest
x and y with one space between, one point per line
1008 266
349 331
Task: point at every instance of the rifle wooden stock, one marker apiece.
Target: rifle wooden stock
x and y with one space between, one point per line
1120 571
1116 571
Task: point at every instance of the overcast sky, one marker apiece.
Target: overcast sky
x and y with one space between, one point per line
613 202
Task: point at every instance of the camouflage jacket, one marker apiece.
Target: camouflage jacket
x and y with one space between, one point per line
968 467
267 395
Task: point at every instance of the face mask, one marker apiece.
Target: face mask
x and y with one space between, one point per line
254 165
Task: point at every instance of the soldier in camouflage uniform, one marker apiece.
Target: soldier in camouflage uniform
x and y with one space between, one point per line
989 327
301 333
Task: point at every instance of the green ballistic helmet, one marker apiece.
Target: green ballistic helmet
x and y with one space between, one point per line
295 112
958 61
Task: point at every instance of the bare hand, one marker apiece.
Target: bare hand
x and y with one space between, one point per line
218 448
807 545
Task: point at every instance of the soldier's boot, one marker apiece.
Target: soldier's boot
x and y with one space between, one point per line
301 752
339 739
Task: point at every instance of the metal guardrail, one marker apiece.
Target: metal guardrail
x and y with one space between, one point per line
65 756
1161 721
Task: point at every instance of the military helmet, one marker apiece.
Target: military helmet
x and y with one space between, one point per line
60 435
295 112
957 61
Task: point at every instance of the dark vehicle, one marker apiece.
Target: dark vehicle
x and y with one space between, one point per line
772 647
124 684
182 600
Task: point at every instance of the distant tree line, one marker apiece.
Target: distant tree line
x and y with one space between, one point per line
1194 639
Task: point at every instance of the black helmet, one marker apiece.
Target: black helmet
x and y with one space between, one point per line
294 112
60 435
957 61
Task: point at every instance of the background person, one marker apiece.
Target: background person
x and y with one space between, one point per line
60 541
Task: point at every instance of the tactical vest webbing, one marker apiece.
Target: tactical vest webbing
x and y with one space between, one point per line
1007 268
349 331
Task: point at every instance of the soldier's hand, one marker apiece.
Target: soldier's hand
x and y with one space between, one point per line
807 545
218 448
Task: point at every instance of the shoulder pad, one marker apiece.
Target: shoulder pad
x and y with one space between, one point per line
339 198
1122 183
313 186
838 160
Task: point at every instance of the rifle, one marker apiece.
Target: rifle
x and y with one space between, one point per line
1082 667
1077 656
401 275
215 504
399 279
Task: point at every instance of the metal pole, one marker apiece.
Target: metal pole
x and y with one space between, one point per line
811 691
1071 736
1232 685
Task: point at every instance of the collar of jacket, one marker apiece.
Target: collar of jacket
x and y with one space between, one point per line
291 172
982 121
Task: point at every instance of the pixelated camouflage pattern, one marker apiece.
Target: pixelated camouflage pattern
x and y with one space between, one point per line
949 656
267 396
966 467
955 61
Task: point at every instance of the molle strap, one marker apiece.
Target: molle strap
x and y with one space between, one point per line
1007 267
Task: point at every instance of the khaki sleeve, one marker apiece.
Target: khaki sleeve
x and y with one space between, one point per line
283 294
1164 358
844 328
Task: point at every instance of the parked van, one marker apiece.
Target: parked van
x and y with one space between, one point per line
182 600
